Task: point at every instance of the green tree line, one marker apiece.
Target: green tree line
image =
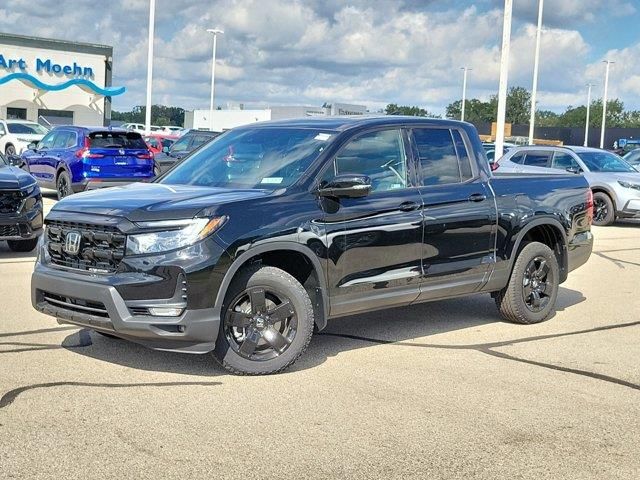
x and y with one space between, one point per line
160 115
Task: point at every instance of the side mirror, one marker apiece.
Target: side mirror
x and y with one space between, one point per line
165 149
575 170
349 185
32 146
15 161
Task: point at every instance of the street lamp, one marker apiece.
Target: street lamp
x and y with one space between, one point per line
464 90
586 126
504 78
147 115
214 32
604 101
536 64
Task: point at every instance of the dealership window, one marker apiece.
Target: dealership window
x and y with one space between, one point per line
16 113
55 117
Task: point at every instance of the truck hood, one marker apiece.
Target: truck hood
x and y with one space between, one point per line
13 178
153 201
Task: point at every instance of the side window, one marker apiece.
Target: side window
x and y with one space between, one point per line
536 159
379 155
64 140
463 156
517 158
2 130
562 161
47 141
437 154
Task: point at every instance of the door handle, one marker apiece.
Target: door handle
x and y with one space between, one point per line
409 206
477 197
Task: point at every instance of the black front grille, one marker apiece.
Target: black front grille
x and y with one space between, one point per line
10 201
101 247
9 231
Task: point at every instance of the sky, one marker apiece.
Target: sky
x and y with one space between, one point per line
371 52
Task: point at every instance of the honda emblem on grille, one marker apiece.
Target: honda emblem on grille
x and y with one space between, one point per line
72 243
121 151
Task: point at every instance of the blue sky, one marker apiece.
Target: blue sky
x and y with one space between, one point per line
356 51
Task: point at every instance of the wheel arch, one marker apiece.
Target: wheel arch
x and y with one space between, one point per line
548 231
602 189
284 255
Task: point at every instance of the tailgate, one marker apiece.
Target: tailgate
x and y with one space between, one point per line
118 154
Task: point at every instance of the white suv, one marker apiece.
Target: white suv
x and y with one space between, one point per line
16 135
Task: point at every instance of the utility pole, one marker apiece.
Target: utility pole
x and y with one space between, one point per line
586 127
536 64
504 78
604 102
147 115
464 91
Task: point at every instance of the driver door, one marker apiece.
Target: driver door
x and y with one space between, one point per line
374 242
38 159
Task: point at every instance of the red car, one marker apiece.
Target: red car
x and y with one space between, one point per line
157 142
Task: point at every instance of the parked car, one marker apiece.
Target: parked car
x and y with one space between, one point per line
273 228
72 159
182 147
20 208
158 142
135 127
171 129
16 135
633 158
490 150
615 184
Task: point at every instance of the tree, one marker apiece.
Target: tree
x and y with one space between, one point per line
546 118
160 115
518 106
477 111
395 109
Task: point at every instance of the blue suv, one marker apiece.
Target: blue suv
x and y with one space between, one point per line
73 159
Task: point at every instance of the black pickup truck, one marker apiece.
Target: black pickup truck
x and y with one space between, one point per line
254 240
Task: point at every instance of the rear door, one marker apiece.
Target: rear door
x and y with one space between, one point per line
119 155
62 146
536 161
459 213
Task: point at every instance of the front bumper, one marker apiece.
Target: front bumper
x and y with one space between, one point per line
99 306
631 209
21 227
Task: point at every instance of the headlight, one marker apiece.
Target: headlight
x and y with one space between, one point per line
635 186
178 234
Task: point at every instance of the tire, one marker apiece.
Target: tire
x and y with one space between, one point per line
10 150
604 213
22 245
277 321
63 185
515 302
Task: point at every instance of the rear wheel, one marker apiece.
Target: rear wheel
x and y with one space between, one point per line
530 296
267 322
10 150
63 185
22 245
604 212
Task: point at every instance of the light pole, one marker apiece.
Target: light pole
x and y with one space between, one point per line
586 126
464 90
147 114
504 78
214 32
536 64
604 102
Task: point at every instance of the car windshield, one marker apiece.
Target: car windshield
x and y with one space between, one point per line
27 128
632 157
181 145
604 162
266 158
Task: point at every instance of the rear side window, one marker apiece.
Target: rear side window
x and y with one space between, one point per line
517 158
437 154
463 156
116 140
65 140
537 159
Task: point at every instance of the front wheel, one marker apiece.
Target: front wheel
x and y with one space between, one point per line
604 212
10 150
22 245
267 322
530 296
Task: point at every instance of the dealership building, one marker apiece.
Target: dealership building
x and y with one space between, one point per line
55 82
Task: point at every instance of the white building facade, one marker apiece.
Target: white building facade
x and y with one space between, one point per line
55 82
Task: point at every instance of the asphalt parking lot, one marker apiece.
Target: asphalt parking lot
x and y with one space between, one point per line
442 390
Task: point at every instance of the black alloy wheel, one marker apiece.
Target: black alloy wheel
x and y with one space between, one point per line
10 150
63 185
535 284
260 324
603 210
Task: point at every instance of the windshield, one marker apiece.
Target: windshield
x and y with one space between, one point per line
632 157
604 162
252 158
27 128
181 145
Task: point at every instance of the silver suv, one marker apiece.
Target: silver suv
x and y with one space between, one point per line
615 183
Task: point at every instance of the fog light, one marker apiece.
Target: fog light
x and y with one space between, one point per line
165 311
